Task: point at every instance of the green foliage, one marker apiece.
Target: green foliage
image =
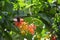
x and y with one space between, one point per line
58 2
39 12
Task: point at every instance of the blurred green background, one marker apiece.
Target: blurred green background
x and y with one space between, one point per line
45 14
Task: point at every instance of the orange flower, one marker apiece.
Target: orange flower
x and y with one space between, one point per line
23 32
33 26
17 24
31 30
24 27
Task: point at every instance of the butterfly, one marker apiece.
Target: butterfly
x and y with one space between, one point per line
18 21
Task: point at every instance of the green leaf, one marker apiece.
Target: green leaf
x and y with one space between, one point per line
43 33
58 2
28 6
7 36
8 7
46 20
50 1
34 20
0 17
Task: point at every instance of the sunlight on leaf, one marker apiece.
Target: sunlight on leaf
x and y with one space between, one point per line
0 17
11 32
51 1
